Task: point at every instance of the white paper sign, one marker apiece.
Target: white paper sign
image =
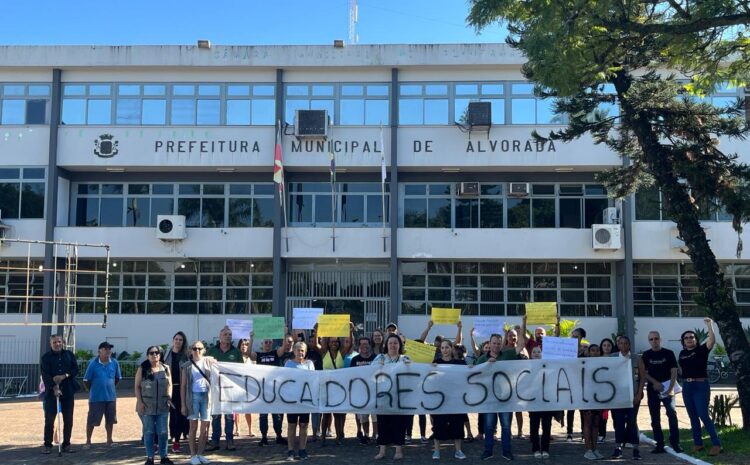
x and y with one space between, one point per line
305 318
554 348
240 328
419 388
486 326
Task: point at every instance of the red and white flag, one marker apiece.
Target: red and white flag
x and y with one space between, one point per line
278 164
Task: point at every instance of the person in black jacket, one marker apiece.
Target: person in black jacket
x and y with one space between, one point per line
59 370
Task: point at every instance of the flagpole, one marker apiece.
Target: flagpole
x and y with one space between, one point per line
280 180
382 180
333 189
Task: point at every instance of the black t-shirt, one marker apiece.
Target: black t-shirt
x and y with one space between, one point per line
659 363
315 357
360 361
287 356
267 358
693 362
453 361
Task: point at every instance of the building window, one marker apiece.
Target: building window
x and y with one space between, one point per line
669 289
190 287
22 192
479 92
309 97
89 104
423 104
545 206
234 205
16 282
363 104
355 204
498 288
141 104
250 104
526 108
650 204
24 103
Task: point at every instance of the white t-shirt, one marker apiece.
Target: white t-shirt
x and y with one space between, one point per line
200 384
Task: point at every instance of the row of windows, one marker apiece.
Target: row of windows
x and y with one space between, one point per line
651 204
546 206
669 289
497 288
204 205
352 204
24 103
204 287
22 192
244 104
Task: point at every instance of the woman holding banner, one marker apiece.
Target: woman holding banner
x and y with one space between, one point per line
195 387
392 428
448 427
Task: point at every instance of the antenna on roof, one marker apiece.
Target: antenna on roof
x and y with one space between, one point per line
353 18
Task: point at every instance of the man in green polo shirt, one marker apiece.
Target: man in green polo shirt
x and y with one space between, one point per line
223 351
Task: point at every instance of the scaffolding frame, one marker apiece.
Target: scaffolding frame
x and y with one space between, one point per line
64 299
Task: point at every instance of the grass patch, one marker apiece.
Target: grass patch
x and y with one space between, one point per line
734 441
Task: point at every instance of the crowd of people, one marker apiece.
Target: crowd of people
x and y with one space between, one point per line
173 395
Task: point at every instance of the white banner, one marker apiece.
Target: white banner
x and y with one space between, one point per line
417 388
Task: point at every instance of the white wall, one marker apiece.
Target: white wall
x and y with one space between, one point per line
200 242
652 240
24 145
506 243
350 243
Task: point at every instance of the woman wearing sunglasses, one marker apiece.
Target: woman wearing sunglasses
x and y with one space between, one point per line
195 386
153 392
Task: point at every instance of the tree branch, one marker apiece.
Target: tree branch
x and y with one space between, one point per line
698 25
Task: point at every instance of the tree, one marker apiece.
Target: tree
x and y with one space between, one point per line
593 53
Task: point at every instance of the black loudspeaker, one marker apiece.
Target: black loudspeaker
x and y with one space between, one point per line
311 123
480 114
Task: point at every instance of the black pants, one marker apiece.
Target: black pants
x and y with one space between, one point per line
50 415
391 429
626 425
570 418
545 419
422 425
179 425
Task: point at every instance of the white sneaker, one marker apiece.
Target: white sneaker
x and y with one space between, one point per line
459 455
436 455
194 460
590 455
537 455
598 455
545 455
203 460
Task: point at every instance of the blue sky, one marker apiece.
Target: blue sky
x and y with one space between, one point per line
235 22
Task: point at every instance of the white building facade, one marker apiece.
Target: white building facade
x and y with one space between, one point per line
96 142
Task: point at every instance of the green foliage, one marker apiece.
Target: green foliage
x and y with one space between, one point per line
567 327
719 350
701 334
747 332
721 409
84 355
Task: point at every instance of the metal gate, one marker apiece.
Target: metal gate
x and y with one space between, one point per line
365 295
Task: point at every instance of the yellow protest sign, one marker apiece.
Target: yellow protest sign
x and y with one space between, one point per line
333 325
541 313
445 316
419 352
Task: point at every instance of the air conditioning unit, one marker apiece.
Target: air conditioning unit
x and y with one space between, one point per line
170 227
611 215
468 189
519 189
311 123
479 114
606 236
676 242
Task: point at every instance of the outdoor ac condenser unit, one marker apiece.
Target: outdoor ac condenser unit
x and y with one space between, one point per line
311 123
468 189
518 189
171 227
479 114
606 236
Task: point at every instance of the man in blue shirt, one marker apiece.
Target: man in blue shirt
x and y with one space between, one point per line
102 375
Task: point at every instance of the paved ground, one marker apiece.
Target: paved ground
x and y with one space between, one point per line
22 424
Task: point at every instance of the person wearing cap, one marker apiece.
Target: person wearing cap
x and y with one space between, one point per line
391 329
102 375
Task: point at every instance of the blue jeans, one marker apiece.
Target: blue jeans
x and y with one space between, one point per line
654 409
275 418
490 424
228 427
626 425
155 425
696 395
